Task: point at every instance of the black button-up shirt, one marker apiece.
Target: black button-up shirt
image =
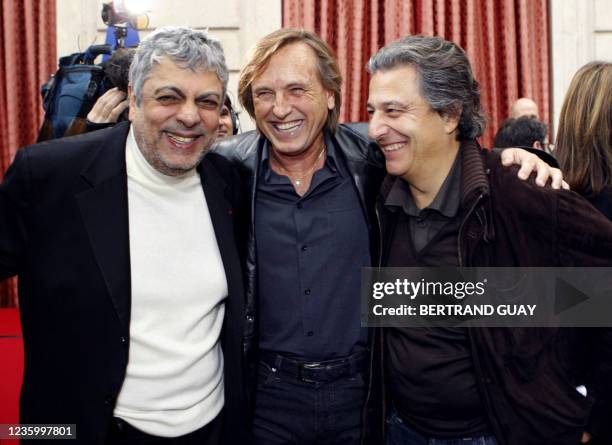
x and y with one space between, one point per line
437 394
310 250
425 223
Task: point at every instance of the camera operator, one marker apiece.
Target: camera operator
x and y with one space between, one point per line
107 109
111 107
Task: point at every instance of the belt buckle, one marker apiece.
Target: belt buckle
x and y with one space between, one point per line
303 366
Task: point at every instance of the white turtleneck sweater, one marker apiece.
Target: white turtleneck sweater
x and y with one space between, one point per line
174 380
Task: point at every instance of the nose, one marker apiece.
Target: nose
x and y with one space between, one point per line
377 127
282 106
189 115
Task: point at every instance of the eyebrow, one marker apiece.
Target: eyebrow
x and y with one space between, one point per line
171 88
207 95
180 93
286 87
297 84
394 103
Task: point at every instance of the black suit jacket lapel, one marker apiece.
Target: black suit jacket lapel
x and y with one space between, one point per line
104 209
220 201
221 215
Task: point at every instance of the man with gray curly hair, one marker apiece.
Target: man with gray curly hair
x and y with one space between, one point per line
176 53
124 244
447 202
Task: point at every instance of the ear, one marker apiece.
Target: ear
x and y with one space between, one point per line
451 118
132 101
536 144
331 100
451 122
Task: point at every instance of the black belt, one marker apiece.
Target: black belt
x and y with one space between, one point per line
323 371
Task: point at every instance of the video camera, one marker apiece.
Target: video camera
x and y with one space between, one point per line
118 15
78 83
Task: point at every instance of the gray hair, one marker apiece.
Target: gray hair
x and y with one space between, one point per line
188 48
445 78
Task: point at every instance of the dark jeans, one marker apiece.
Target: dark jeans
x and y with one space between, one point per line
291 411
122 433
400 433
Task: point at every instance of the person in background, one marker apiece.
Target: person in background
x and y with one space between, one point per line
524 131
112 106
229 125
584 138
524 107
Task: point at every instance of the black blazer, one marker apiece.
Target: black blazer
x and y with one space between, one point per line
64 232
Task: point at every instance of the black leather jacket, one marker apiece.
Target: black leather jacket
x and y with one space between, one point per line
366 166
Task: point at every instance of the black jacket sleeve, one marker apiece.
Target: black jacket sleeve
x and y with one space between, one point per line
14 198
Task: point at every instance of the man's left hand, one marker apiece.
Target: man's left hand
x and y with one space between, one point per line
586 437
530 163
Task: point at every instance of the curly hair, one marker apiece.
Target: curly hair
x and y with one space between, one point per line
188 48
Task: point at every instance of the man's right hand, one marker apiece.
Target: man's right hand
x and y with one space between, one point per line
108 107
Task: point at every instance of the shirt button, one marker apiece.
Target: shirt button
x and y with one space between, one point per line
310 333
299 205
123 340
307 291
304 248
421 223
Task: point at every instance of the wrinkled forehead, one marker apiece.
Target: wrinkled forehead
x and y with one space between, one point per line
400 83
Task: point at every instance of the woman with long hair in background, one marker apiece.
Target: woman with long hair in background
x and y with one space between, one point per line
584 139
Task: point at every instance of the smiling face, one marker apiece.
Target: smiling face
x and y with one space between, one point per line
290 103
177 119
414 138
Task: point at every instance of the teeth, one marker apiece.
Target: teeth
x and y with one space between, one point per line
288 125
394 147
181 139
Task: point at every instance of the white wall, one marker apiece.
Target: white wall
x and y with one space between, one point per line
581 32
238 24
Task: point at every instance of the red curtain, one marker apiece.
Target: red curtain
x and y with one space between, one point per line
505 40
27 59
